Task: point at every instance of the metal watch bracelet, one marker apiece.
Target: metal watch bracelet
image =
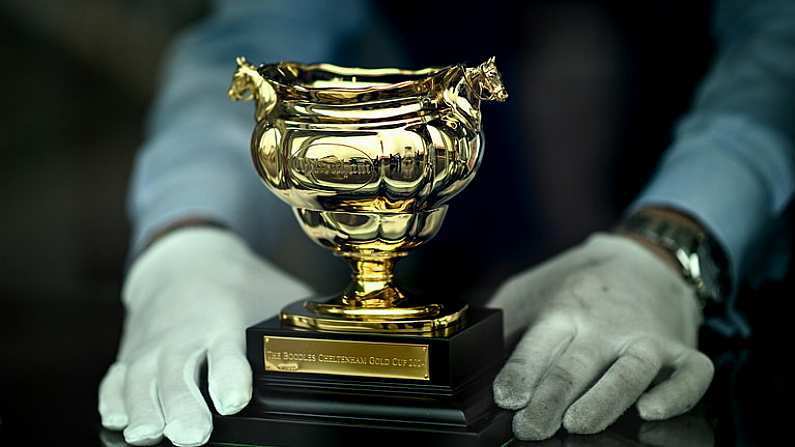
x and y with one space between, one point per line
701 262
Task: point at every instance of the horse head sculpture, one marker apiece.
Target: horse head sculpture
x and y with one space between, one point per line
487 81
248 84
465 88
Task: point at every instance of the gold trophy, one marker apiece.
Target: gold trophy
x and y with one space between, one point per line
368 159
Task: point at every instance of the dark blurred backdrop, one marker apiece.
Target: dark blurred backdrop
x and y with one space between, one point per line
596 88
77 78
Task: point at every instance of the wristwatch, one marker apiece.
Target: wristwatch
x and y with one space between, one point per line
701 261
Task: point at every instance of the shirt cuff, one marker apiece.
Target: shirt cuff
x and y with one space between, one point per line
733 176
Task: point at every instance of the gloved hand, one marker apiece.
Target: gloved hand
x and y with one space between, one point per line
189 297
602 320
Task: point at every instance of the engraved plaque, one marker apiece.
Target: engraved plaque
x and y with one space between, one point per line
347 358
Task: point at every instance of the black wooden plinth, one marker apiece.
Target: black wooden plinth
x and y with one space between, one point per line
453 408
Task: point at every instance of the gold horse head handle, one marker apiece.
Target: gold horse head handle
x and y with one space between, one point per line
248 84
487 82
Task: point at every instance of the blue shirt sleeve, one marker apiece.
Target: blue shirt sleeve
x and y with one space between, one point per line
732 162
195 161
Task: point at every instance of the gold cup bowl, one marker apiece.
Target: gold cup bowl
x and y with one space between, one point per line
368 158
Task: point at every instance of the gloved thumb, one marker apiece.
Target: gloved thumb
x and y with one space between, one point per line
228 375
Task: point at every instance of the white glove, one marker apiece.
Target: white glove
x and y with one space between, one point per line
602 320
190 296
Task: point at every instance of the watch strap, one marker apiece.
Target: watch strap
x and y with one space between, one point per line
701 261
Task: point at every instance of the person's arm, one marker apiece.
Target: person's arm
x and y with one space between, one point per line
600 326
732 164
198 209
195 164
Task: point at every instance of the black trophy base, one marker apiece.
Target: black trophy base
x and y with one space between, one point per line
250 427
453 407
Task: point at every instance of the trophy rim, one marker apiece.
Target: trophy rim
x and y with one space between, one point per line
299 77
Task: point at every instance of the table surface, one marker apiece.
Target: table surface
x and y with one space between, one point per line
53 354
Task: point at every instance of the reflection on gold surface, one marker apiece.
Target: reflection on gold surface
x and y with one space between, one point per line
368 158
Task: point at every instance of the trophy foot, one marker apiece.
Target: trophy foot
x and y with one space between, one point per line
406 317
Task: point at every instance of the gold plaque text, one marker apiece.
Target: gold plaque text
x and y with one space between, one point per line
347 358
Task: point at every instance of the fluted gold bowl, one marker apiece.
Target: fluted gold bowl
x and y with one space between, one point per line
368 158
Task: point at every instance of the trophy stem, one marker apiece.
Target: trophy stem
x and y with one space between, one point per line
372 282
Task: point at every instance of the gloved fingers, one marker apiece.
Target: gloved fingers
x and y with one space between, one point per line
563 383
616 390
145 425
188 420
536 351
229 375
111 398
681 391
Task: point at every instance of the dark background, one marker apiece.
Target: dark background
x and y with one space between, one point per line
596 88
